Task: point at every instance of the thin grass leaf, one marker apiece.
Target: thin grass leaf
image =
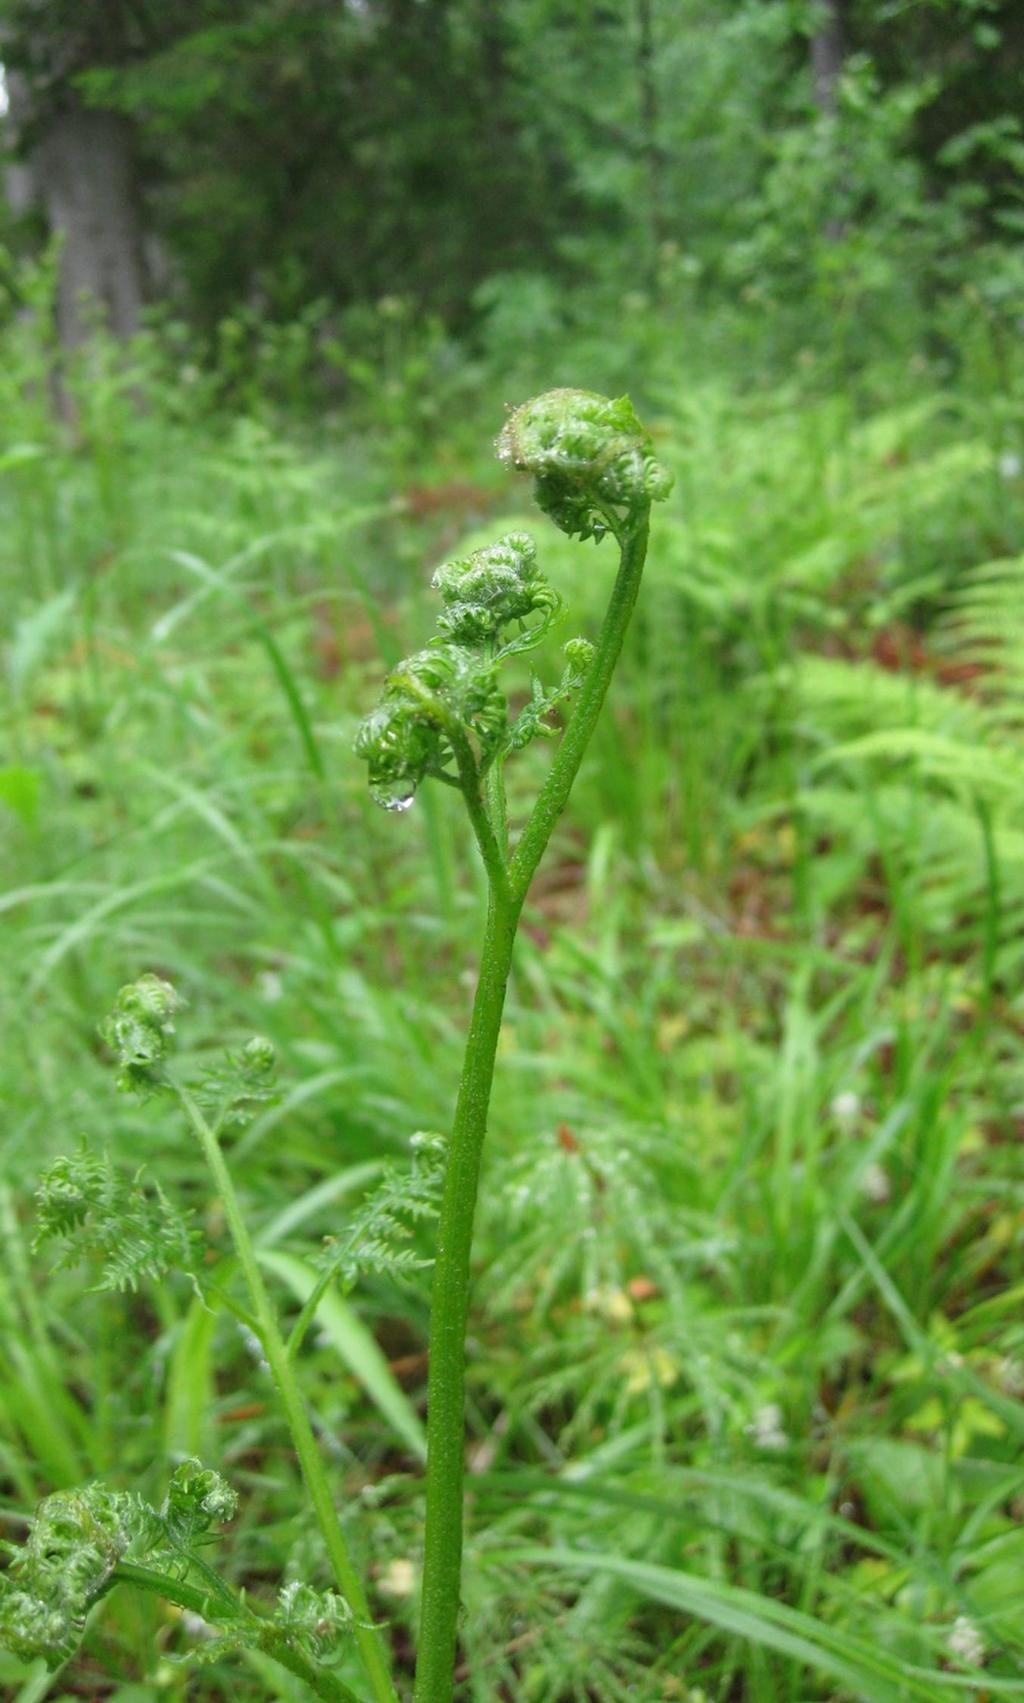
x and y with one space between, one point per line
356 1347
866 1669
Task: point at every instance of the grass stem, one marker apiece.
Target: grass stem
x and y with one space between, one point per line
283 1373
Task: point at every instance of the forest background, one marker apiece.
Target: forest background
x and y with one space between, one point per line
746 1360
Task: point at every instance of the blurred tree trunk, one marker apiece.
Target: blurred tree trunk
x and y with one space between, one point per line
827 49
649 120
83 168
19 180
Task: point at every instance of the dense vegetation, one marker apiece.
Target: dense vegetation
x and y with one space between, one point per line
746 1366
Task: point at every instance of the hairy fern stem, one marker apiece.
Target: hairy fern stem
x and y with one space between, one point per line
508 888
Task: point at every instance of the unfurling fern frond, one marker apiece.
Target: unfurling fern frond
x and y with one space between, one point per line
492 589
532 722
84 1542
231 1091
197 1497
124 1223
139 1032
76 1541
303 1622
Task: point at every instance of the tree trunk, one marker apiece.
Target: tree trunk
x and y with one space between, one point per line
84 171
649 122
827 48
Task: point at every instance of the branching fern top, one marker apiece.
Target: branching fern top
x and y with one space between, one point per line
441 711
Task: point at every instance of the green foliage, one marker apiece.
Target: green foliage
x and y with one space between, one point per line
234 1089
76 1541
308 94
531 722
342 190
83 1202
745 1353
595 470
943 756
380 1236
842 223
125 1224
79 1538
428 706
486 591
748 1025
82 1543
196 1499
304 1621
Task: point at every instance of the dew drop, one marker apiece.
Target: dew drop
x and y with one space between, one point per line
394 795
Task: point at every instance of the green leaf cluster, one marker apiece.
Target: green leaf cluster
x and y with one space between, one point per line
125 1224
380 1236
77 1541
138 1032
83 1542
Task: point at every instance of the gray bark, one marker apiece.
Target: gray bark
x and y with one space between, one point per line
827 48
84 173
649 118
19 179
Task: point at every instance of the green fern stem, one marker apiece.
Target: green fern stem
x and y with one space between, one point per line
303 1438
265 1636
554 795
442 1565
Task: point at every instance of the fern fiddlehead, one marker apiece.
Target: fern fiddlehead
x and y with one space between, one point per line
85 1542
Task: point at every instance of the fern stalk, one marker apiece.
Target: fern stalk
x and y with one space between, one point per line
508 882
266 1636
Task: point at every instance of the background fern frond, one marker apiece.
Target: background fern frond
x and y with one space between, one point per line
124 1223
380 1237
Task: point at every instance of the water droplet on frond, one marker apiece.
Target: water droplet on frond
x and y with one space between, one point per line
395 795
428 701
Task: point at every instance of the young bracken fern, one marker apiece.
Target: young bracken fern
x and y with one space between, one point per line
442 715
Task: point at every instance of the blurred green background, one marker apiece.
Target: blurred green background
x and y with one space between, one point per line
746 1354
